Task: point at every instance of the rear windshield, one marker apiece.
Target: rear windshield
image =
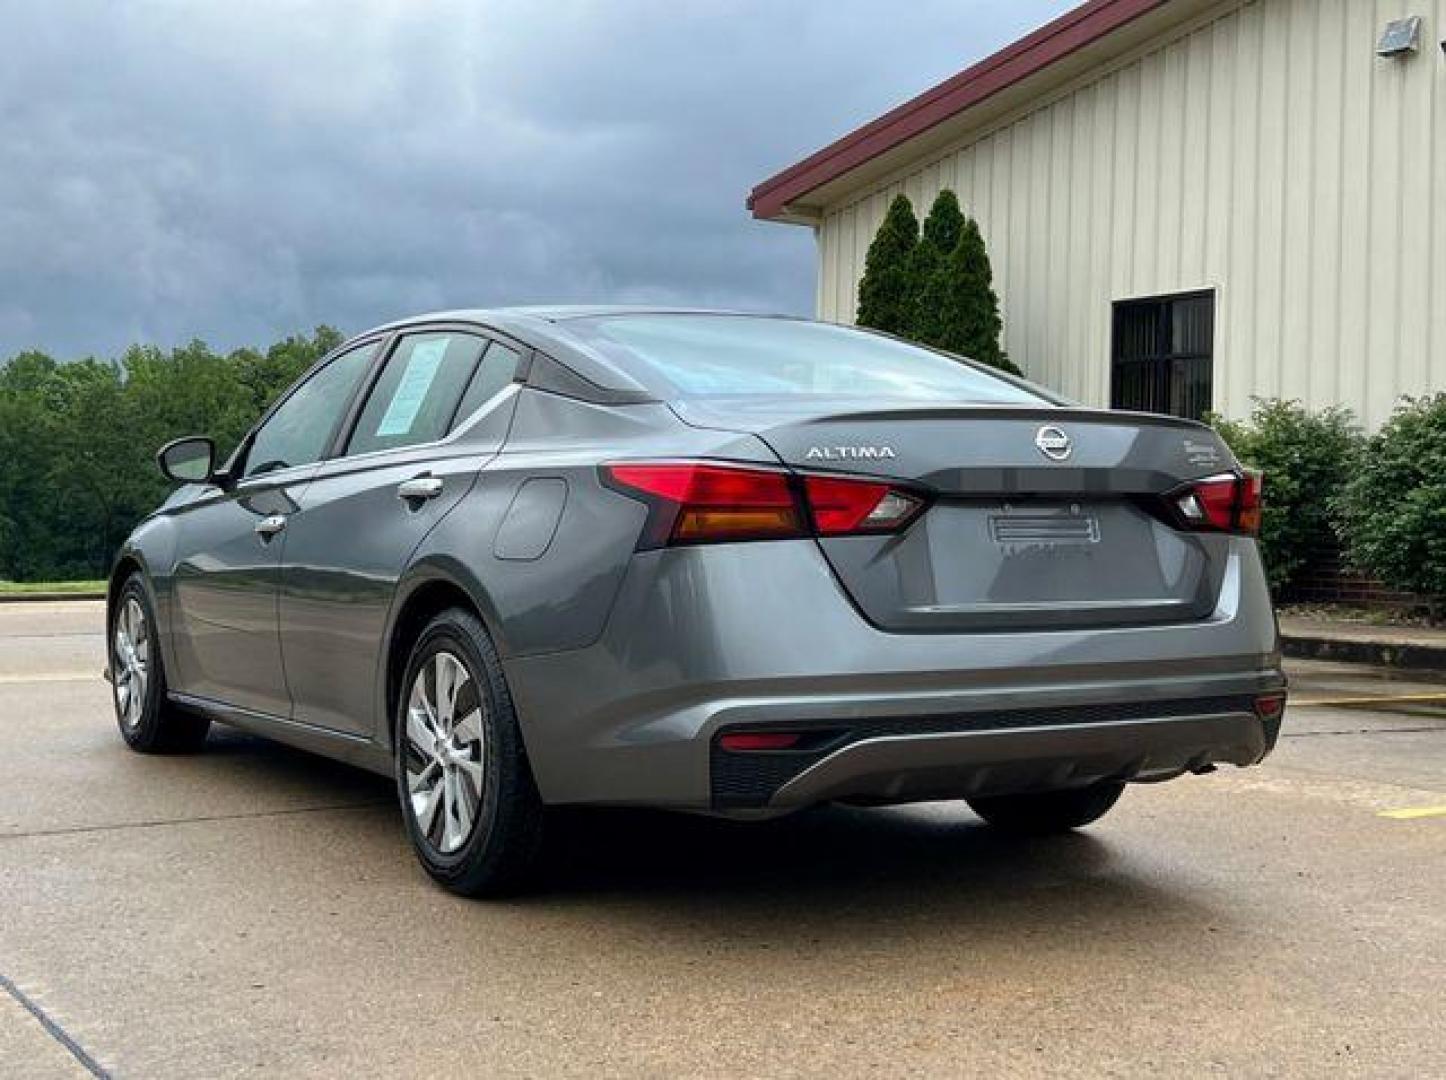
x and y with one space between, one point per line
705 355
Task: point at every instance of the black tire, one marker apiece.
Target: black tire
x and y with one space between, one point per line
159 726
1047 812
501 851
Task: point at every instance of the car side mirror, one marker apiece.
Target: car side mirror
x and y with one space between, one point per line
191 460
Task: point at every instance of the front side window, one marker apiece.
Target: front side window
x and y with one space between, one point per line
688 355
298 432
417 392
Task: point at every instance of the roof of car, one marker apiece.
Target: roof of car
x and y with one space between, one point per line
542 328
553 313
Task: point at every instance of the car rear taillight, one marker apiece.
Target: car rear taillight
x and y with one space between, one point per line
842 506
695 502
1227 503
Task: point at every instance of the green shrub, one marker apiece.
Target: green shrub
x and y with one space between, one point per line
1393 509
1307 458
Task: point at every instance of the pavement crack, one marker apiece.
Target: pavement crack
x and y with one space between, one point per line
74 830
96 635
54 1030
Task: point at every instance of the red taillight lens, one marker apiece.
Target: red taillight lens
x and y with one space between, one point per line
1227 503
701 502
1247 510
842 506
713 502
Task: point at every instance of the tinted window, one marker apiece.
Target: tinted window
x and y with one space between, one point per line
417 392
1164 355
497 370
699 355
297 433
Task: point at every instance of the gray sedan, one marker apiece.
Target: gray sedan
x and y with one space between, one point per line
704 561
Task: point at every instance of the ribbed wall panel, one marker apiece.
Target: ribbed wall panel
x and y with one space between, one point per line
1265 152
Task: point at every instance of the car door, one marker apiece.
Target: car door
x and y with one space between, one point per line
438 412
229 545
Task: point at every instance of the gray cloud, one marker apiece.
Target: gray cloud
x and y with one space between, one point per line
238 171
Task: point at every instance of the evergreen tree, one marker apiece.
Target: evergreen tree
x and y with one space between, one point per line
970 321
945 223
929 268
886 291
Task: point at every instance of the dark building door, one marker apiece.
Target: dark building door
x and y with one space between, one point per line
1163 353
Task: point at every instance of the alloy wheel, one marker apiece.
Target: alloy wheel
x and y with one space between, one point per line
131 667
444 751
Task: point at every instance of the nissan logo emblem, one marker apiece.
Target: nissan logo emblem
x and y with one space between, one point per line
1053 443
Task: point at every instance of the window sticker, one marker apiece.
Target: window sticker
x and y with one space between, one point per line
412 389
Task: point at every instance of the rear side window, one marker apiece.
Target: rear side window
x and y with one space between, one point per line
497 369
417 392
686 355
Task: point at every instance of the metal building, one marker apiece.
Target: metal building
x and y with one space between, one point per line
1188 203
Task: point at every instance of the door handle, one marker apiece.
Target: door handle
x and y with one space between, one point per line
268 527
419 488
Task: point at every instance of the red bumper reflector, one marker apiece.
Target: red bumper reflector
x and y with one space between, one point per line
759 740
1270 706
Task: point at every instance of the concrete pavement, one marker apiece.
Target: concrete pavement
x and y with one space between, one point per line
252 910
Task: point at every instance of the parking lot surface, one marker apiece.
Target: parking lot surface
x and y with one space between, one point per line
255 911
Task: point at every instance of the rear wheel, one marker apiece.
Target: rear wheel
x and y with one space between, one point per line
1045 812
148 721
468 798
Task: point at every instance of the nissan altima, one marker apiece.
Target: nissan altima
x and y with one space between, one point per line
704 561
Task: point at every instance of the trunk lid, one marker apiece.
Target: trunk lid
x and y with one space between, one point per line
1039 519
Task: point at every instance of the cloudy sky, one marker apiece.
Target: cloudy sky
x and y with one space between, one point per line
238 171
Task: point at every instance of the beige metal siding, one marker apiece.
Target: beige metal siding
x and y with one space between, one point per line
1265 152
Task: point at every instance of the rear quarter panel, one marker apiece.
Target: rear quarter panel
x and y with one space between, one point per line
554 593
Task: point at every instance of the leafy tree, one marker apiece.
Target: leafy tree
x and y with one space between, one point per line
887 289
77 440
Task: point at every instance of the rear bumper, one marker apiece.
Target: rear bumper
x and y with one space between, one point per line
706 639
991 761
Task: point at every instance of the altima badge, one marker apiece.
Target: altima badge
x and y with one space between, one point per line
1053 443
850 453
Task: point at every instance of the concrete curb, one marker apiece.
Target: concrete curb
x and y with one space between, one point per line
1416 656
37 597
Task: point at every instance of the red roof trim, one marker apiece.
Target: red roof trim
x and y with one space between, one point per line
1052 42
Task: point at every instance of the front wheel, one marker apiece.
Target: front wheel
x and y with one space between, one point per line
1046 812
468 798
149 722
